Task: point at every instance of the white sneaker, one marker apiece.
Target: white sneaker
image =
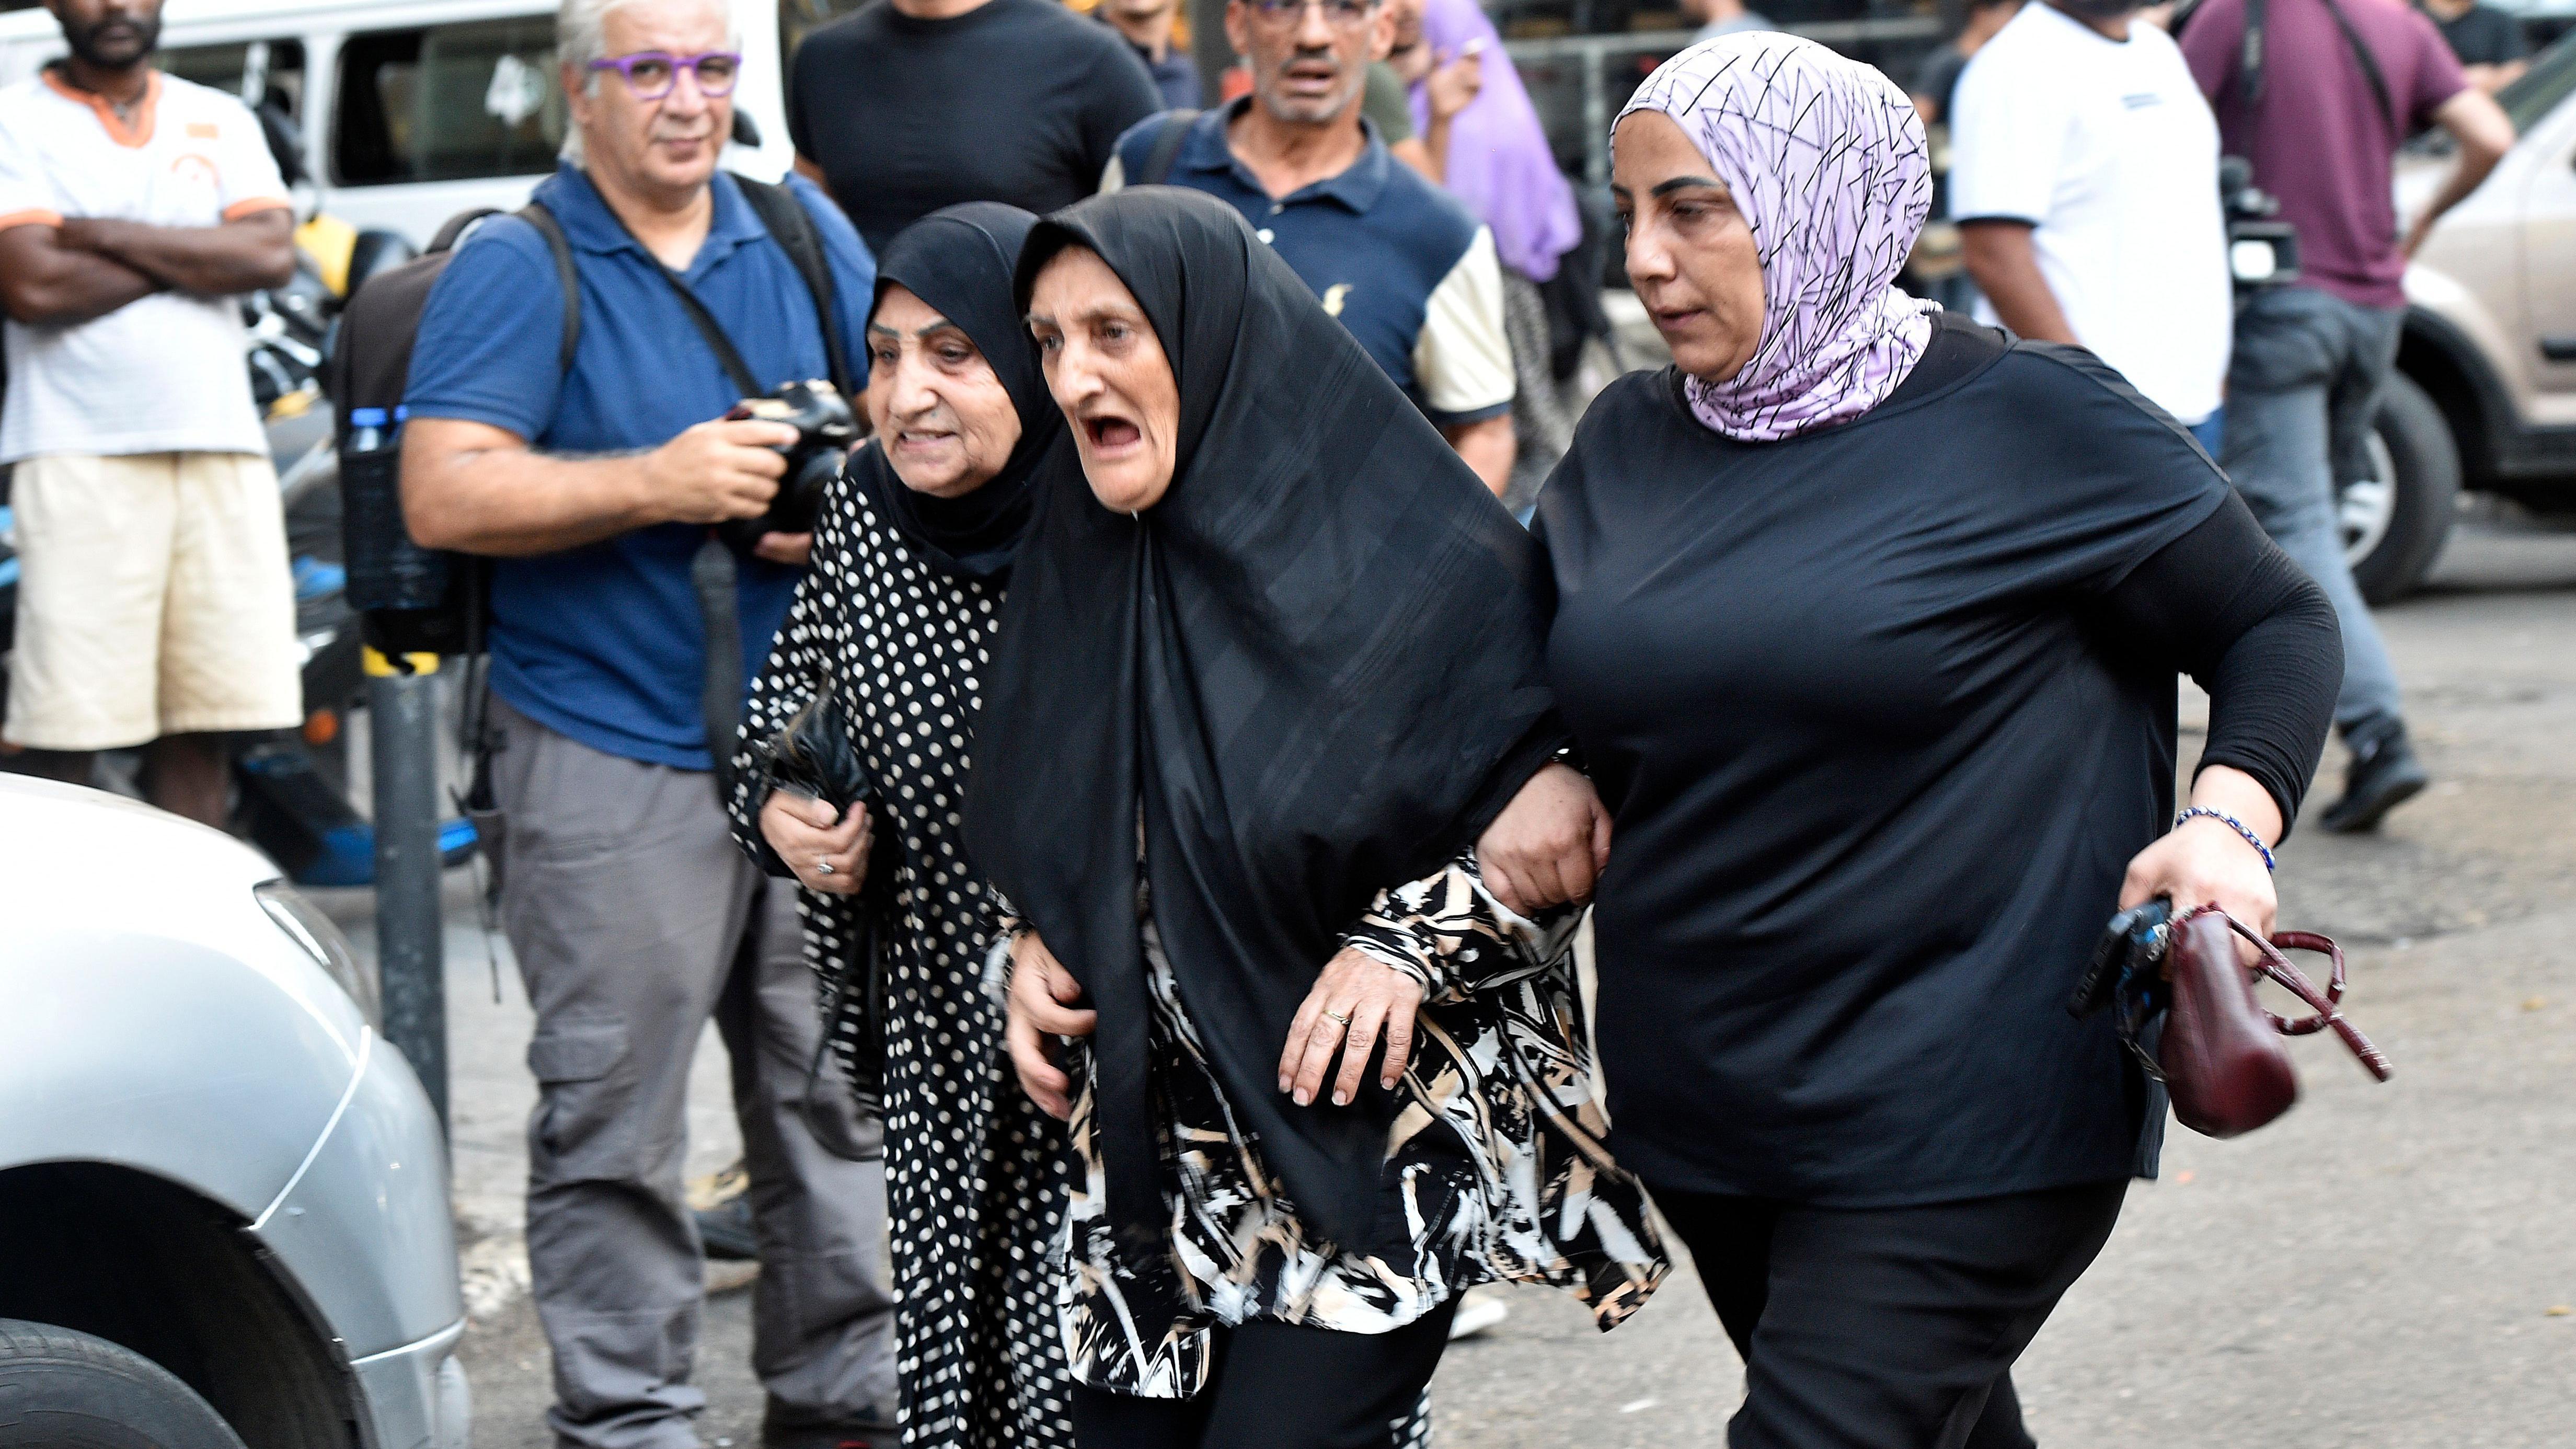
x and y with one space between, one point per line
1476 1313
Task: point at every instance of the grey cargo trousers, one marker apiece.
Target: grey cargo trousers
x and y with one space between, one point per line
634 919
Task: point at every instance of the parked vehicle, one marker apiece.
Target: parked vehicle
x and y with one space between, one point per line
410 111
223 1196
2485 396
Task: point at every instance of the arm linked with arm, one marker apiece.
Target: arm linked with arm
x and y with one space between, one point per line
1453 938
44 283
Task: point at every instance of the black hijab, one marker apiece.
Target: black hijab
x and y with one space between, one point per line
1312 670
958 260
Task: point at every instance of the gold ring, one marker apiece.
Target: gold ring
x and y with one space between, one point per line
1339 1018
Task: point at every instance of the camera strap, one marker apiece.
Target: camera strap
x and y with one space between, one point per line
714 572
2370 71
713 331
2252 53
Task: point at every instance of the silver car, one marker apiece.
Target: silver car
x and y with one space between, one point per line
223 1197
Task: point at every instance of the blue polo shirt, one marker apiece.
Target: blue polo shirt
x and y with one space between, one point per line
1407 268
606 643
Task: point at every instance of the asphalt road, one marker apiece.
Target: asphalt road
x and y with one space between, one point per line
2388 1266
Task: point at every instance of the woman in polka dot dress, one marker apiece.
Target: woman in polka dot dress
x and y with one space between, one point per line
911 555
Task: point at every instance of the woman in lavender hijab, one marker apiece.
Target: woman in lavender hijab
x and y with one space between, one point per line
1867 621
1493 156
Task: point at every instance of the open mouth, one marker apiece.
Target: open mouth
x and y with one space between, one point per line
1111 433
1311 77
921 437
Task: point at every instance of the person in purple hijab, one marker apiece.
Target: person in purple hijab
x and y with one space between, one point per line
1498 161
1493 155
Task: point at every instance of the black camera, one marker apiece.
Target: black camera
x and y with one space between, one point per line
2262 252
825 429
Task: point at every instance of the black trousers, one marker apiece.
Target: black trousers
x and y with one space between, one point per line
1280 1386
1887 1328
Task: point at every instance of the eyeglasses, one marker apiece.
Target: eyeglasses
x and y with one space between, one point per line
650 74
1344 13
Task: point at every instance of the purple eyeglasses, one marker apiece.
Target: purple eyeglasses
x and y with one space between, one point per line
650 74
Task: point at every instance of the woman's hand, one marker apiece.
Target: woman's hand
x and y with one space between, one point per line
1041 1005
1356 1000
1454 82
1548 845
2202 861
827 853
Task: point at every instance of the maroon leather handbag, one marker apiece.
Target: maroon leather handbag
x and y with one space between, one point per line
2221 1055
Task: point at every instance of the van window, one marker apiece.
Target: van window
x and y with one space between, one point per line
261 72
448 103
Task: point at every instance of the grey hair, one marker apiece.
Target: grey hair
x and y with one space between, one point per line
581 36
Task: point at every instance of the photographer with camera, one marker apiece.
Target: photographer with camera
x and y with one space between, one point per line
2318 95
636 498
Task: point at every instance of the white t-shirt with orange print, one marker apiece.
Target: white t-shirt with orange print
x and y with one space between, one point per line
164 374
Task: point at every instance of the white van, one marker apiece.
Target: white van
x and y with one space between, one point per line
413 110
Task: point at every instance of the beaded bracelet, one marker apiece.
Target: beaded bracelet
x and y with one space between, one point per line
2232 823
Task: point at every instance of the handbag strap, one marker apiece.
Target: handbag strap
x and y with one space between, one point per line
2328 1003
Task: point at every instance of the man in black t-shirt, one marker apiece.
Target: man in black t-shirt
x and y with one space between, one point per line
2492 49
913 105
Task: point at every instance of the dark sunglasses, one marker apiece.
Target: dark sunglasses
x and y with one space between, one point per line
650 74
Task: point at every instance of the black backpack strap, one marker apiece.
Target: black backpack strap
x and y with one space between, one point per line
793 229
1167 149
536 215
2370 70
453 230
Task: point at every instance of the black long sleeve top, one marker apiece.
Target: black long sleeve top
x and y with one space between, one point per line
1882 713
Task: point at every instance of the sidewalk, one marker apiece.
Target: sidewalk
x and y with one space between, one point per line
490 1091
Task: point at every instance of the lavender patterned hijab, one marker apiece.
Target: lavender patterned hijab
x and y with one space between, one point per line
1827 162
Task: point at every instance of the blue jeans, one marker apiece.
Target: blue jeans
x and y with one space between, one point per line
2302 391
2210 431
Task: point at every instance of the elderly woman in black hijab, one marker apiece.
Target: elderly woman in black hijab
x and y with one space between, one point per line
1262 684
1868 620
911 555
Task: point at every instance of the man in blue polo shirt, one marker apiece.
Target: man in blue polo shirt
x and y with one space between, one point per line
633 916
1406 268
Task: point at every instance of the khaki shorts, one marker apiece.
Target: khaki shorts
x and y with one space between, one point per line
155 600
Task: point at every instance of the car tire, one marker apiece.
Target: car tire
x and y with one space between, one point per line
2424 461
65 1390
